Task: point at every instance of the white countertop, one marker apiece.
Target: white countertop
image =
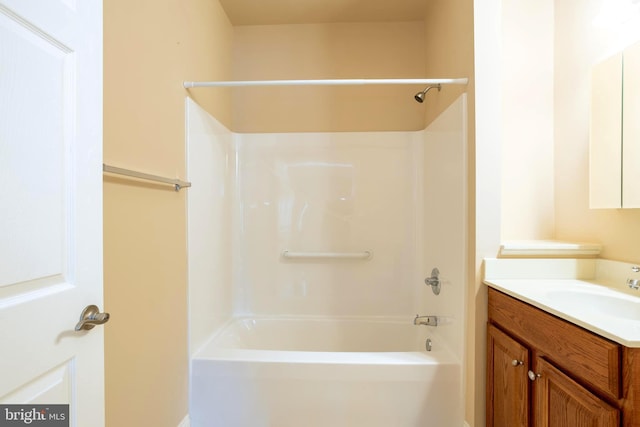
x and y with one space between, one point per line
602 303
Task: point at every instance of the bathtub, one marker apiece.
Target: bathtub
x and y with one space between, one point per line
318 372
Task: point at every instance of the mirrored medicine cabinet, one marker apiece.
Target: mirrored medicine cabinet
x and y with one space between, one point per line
614 134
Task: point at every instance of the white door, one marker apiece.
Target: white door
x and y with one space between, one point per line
51 205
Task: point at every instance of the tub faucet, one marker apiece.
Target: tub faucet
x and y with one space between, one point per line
426 320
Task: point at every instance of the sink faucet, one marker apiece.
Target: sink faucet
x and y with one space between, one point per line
426 320
634 283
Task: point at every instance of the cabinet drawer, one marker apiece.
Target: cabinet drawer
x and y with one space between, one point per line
585 356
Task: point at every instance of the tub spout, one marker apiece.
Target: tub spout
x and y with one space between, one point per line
426 320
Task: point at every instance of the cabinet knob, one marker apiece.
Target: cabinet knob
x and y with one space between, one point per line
515 362
533 376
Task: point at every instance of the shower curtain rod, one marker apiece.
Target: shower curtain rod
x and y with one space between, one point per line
329 82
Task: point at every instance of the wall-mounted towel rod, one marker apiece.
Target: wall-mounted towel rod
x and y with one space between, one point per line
327 255
177 184
327 82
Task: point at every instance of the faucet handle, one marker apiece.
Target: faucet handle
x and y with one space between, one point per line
633 283
434 281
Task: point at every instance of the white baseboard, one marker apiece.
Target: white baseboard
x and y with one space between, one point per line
186 422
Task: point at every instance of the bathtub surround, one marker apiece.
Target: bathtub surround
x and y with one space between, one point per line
210 163
327 192
445 233
399 195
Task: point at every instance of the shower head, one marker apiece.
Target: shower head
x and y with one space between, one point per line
420 95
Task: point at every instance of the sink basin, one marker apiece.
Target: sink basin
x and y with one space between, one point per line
610 303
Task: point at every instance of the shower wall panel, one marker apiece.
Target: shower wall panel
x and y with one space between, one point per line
210 166
328 193
400 196
444 227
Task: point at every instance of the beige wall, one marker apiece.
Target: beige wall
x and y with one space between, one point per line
149 49
328 51
527 130
578 45
448 51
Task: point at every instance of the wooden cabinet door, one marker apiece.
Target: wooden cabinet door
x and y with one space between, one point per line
507 382
561 402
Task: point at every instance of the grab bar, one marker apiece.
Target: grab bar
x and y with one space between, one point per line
177 184
327 255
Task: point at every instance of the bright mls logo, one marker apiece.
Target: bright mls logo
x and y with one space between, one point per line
34 415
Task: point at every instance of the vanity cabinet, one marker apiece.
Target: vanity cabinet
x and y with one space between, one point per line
543 371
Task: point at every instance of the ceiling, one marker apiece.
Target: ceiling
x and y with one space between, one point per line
268 12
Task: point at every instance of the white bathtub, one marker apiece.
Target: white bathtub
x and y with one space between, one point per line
313 372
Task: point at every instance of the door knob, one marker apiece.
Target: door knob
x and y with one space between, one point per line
91 317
